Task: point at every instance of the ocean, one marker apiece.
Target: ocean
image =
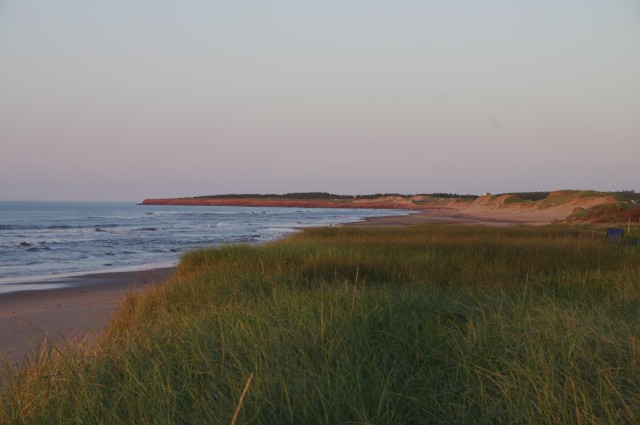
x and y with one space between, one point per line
49 240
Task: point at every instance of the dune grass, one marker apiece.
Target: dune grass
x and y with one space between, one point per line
426 324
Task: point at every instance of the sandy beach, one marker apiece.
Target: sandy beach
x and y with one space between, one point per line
79 311
457 216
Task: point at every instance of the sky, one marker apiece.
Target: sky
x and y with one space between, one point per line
127 100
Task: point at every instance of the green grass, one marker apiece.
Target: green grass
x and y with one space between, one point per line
618 213
428 324
563 196
526 197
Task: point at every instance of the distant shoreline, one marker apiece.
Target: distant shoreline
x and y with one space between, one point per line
568 206
442 216
373 203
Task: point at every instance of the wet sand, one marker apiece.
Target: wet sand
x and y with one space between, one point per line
77 312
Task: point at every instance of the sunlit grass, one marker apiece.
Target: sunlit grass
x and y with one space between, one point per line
428 324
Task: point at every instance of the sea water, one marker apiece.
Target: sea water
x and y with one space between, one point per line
48 240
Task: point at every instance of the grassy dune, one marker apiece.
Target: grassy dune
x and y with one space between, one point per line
429 324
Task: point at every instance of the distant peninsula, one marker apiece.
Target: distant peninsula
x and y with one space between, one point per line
567 206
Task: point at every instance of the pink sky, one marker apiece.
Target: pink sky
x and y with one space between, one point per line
128 100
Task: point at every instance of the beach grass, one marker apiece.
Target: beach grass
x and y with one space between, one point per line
356 325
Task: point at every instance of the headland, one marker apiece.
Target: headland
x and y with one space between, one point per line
536 208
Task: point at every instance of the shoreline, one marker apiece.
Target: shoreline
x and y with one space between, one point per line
10 285
78 311
451 216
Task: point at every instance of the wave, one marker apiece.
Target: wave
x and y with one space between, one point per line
166 250
19 262
106 227
52 227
